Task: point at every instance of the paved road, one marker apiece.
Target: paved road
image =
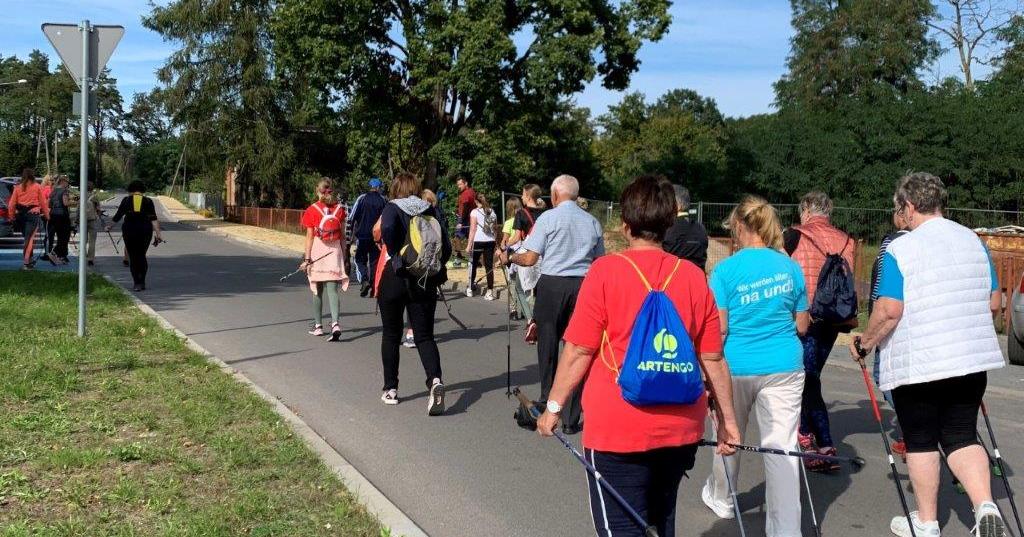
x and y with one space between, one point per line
472 471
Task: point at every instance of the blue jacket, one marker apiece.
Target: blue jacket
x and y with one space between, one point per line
365 212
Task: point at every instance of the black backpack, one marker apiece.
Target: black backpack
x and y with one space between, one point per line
835 298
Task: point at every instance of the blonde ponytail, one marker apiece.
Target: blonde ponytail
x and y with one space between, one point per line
760 217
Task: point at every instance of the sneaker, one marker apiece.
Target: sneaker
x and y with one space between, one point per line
720 509
390 397
988 522
335 332
90 263
489 295
409 342
469 291
899 447
28 266
53 259
531 333
806 442
823 466
364 290
900 527
317 330
435 406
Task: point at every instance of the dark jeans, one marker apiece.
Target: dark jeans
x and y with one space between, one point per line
483 251
136 243
396 296
556 300
814 414
648 481
58 234
367 253
942 412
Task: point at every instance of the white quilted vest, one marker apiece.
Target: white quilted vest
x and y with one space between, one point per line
946 330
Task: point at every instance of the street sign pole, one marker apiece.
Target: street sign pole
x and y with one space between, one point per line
94 48
83 175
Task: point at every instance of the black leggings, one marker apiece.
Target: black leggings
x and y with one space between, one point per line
58 234
942 412
137 244
397 295
483 250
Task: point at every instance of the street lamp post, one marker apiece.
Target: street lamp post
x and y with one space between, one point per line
19 81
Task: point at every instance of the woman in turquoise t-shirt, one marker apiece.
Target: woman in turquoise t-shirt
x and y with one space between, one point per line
762 302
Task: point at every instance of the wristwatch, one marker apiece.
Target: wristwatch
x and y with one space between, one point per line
554 407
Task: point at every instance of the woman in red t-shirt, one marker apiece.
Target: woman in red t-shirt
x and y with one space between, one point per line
642 451
325 261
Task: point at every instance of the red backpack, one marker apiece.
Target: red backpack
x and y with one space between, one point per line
331 228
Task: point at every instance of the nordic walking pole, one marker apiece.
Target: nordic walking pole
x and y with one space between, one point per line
111 237
861 353
712 408
1002 469
810 501
451 315
649 531
298 270
508 332
857 462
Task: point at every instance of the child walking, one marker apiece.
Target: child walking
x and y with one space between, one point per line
325 262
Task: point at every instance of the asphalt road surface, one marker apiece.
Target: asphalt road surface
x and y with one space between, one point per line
472 471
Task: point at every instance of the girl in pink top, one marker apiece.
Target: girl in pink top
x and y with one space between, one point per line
325 262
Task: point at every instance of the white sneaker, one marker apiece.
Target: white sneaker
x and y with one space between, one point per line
390 397
900 527
435 406
469 291
720 509
489 295
317 330
988 522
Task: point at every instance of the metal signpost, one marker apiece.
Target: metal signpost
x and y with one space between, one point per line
84 54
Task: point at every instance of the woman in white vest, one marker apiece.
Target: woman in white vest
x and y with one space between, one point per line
933 322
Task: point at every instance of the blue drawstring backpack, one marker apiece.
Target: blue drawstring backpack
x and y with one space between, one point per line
661 364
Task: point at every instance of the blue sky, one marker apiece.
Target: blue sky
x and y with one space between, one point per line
730 50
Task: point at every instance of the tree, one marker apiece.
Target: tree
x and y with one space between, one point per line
971 23
453 68
862 48
109 112
220 88
146 121
680 136
1009 65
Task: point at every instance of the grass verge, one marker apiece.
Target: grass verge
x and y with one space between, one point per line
131 433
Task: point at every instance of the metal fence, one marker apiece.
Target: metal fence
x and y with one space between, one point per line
280 219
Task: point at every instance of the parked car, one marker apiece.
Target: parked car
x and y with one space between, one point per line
1015 336
7 185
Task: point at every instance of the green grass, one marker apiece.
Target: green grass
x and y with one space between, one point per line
130 433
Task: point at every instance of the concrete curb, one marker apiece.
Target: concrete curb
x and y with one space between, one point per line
361 488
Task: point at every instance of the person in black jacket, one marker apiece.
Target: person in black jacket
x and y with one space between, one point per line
686 238
399 290
140 227
365 212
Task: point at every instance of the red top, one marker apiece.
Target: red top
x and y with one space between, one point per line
610 299
314 214
467 202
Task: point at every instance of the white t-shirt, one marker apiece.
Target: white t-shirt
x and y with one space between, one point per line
484 231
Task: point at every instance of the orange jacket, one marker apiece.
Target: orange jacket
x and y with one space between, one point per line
31 196
818 237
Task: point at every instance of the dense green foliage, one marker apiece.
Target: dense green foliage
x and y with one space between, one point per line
284 92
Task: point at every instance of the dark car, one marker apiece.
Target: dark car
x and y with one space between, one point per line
7 185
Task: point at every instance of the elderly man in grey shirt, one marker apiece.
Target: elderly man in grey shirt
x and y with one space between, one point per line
565 240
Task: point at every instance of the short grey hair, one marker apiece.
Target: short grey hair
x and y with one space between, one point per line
816 202
682 197
568 185
924 190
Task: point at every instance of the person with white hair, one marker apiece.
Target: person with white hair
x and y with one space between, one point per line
569 239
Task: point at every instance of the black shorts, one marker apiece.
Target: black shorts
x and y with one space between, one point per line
942 412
